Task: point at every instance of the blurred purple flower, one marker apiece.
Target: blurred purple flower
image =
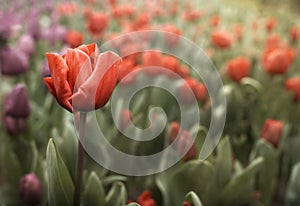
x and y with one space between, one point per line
30 189
13 61
14 126
33 24
8 22
16 103
27 44
54 34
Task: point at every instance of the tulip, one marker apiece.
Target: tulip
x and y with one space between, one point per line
271 24
16 103
97 23
74 38
82 79
57 33
26 44
145 199
13 61
271 131
238 68
293 85
191 85
278 60
30 189
294 33
221 39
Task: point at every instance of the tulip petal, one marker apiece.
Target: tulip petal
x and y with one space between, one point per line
59 70
80 68
96 90
49 83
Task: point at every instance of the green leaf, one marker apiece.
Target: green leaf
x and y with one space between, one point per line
195 175
94 192
60 185
293 188
193 198
223 162
267 175
12 170
117 195
240 188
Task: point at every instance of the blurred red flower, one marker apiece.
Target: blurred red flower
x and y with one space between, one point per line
97 23
74 38
294 33
221 39
271 23
277 60
82 91
271 131
145 199
293 85
238 68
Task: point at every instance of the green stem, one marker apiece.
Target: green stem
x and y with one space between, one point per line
80 159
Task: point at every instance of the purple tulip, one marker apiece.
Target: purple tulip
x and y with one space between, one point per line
26 44
54 34
33 24
13 61
14 126
30 189
16 104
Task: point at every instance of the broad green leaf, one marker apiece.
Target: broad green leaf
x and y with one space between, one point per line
195 175
117 195
94 192
267 175
60 185
223 162
293 188
240 188
12 170
193 198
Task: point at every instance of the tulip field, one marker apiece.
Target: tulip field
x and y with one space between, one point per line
150 103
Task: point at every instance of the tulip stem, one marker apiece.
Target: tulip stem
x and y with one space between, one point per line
80 159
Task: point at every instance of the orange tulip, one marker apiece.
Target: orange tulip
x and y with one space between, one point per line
271 131
221 39
293 85
82 79
238 68
74 38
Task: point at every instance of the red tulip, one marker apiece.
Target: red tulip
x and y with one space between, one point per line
294 33
82 79
238 68
271 131
271 24
221 39
74 38
198 89
145 199
97 23
293 85
278 60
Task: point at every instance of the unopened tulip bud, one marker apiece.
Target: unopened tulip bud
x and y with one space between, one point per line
30 189
16 104
13 61
26 44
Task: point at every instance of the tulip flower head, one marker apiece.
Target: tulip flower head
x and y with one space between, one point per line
82 79
30 189
271 131
238 68
293 85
